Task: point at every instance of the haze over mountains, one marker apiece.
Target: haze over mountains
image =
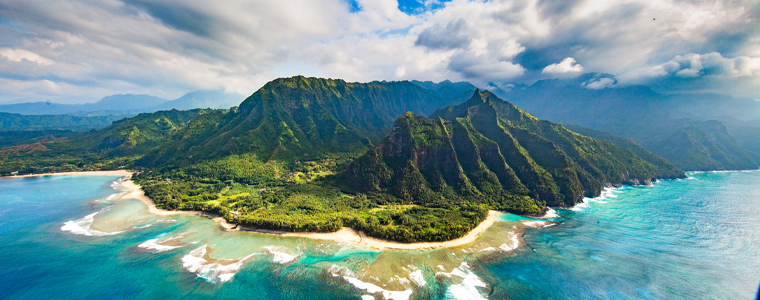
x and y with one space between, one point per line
694 131
129 104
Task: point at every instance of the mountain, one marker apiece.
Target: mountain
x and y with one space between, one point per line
14 138
432 162
128 104
456 92
648 118
705 146
117 145
13 122
116 104
214 99
486 147
299 118
624 143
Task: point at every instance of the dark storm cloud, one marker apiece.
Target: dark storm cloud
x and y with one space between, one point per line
177 16
452 36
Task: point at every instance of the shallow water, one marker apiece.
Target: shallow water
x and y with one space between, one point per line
676 239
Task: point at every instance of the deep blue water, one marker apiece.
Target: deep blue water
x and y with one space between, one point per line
687 239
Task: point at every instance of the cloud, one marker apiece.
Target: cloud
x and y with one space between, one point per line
693 66
453 36
89 49
482 68
567 65
600 83
21 54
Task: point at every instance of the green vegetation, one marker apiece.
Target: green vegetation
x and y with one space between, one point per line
116 146
310 154
9 121
557 165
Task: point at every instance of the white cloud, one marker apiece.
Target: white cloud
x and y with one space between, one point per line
169 47
568 65
598 84
21 54
694 65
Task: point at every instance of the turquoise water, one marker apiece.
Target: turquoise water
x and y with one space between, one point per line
684 239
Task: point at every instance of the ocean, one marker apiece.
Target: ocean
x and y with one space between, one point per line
73 237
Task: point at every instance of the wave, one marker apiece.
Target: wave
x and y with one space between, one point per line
515 243
468 288
606 193
82 226
348 275
280 257
551 214
152 245
373 289
197 261
156 246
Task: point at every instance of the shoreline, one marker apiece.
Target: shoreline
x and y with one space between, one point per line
129 190
345 235
89 173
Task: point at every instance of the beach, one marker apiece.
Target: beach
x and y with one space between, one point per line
102 173
130 190
345 235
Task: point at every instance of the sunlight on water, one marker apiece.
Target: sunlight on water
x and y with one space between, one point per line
675 238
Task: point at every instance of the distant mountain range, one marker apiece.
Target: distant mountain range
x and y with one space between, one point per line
695 132
129 104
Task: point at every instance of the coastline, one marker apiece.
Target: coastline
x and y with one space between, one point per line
89 173
345 235
130 190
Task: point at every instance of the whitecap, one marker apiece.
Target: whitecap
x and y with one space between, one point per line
195 261
82 227
551 214
468 288
535 224
280 257
417 278
373 289
513 246
152 245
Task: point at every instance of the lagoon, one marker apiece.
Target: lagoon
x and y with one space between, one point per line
676 239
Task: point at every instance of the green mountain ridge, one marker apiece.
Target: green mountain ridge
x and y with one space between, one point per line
558 165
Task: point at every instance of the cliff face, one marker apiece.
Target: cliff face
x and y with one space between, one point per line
300 118
433 162
487 148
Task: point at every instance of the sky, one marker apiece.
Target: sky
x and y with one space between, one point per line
81 50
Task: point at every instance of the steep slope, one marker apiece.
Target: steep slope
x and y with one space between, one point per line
644 116
434 163
558 166
627 144
298 118
705 146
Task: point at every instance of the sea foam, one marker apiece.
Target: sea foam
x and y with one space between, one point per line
196 262
279 256
82 226
373 289
468 288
